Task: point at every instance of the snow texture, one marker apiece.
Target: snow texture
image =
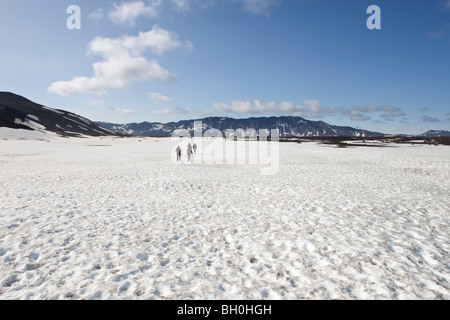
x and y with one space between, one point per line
117 219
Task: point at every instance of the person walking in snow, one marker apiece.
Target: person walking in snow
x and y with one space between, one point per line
195 148
189 151
178 152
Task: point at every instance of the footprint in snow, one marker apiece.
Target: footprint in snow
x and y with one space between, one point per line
33 256
9 281
142 257
125 286
96 296
164 262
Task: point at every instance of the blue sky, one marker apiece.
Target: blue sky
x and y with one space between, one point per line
167 60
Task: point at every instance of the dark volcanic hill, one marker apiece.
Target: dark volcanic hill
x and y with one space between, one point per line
19 112
289 127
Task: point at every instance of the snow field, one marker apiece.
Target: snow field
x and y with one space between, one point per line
117 219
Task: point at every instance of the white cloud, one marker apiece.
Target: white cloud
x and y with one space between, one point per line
426 118
123 112
96 103
440 33
97 14
159 97
182 5
123 63
129 12
163 111
258 7
353 114
114 73
183 110
157 40
313 109
390 112
309 108
167 110
186 5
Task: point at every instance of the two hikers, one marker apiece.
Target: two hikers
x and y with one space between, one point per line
191 149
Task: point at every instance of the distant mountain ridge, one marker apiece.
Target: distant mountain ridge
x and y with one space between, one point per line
20 113
435 134
289 127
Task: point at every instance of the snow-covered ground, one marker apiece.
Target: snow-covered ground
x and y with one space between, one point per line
117 219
